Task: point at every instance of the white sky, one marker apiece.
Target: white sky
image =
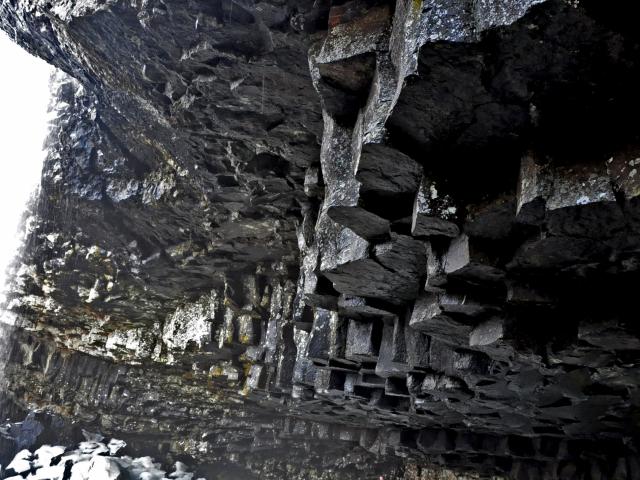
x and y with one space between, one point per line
24 83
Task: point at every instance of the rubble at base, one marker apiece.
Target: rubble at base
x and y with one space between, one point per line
92 460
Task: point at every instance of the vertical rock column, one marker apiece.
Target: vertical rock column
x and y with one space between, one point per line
358 71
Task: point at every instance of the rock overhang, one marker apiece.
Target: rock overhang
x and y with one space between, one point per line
451 312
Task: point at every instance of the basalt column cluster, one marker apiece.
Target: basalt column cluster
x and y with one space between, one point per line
336 239
455 277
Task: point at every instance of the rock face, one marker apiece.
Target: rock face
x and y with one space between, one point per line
336 239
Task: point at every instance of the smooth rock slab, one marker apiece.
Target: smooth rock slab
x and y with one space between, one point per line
468 259
367 225
102 468
384 172
21 463
390 361
46 454
362 343
487 333
319 340
392 275
357 308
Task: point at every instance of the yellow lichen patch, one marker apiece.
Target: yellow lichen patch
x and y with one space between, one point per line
231 305
162 151
245 389
246 367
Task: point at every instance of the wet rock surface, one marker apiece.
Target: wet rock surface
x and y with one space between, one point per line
335 239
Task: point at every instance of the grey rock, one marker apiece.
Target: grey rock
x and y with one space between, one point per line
238 255
367 225
384 171
433 212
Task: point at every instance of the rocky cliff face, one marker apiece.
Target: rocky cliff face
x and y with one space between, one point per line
337 239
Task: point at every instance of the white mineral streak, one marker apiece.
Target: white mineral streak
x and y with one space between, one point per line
191 324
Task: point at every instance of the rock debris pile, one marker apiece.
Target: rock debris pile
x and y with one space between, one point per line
91 460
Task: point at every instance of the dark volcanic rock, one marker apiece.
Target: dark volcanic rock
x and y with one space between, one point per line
392 274
329 239
364 223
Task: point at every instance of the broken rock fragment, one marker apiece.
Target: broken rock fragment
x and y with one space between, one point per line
571 200
433 212
449 317
469 259
385 173
493 219
392 274
367 225
358 308
392 360
363 339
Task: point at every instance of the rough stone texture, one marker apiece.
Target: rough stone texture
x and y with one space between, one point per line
336 239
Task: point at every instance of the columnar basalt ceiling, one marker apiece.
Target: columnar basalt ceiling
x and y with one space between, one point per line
337 239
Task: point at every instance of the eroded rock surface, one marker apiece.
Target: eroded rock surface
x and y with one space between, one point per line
337 239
